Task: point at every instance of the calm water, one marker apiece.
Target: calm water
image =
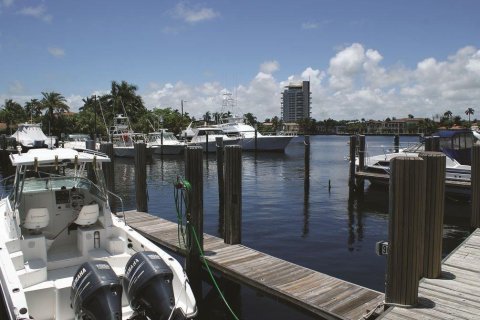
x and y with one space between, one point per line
308 224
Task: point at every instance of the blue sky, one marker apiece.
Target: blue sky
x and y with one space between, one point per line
366 59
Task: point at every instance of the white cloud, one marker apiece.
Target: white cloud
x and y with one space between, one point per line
16 88
309 25
269 67
7 3
56 52
39 12
193 13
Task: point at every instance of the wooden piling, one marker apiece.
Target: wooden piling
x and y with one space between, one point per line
434 212
396 143
161 143
428 144
475 180
194 175
436 143
90 145
233 194
406 217
256 133
360 185
306 183
353 146
206 144
221 182
141 177
109 167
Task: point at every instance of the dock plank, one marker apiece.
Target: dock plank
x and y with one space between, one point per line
323 295
454 296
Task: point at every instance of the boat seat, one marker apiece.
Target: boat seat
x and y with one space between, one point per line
36 218
88 215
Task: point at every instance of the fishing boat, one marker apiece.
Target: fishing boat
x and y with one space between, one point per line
77 141
206 138
65 255
124 139
30 135
164 142
251 139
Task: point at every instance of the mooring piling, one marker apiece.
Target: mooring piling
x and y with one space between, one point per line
194 174
353 146
360 183
141 177
475 191
221 182
406 218
233 195
396 143
434 212
109 167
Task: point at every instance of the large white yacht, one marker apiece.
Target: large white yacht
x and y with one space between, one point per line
124 139
65 255
164 142
206 138
236 127
30 135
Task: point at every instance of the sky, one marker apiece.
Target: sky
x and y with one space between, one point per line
368 59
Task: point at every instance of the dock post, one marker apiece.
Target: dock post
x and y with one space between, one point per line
360 185
194 175
90 145
109 167
306 185
141 177
353 146
221 183
475 181
428 144
206 144
396 143
161 143
406 216
256 134
233 194
436 143
434 212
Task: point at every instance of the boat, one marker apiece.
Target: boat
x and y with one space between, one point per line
237 127
30 135
206 138
476 132
164 142
77 141
65 255
455 144
124 139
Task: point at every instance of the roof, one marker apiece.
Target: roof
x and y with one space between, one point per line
448 133
62 155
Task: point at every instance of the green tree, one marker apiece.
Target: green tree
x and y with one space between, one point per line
33 109
54 103
12 113
123 99
448 114
251 119
469 112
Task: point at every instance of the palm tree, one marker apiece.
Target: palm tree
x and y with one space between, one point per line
469 112
448 114
12 113
33 108
53 102
123 98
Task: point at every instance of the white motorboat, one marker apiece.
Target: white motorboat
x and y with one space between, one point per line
476 132
456 144
236 127
124 139
206 138
78 141
164 142
30 135
65 255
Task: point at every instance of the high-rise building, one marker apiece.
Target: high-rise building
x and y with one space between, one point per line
296 102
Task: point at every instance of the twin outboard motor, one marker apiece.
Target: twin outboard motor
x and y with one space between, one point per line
96 292
148 286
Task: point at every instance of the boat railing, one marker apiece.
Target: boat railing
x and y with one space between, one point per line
95 153
121 202
376 150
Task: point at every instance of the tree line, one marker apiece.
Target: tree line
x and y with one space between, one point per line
98 112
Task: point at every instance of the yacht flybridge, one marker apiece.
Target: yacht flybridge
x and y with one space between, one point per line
64 255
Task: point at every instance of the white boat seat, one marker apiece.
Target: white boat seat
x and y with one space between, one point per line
36 218
88 215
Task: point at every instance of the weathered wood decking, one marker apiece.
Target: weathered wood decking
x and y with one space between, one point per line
456 295
321 294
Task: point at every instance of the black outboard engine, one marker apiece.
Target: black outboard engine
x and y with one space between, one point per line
96 292
148 286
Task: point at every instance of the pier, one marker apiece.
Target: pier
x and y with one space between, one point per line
323 295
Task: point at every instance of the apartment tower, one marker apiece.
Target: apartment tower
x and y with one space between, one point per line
296 102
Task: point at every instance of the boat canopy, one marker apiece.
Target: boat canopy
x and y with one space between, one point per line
451 133
56 156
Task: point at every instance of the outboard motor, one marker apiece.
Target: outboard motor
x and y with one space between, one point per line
96 292
148 286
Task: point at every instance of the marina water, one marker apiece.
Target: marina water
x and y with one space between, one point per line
300 220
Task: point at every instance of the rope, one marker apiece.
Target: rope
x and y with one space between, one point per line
180 186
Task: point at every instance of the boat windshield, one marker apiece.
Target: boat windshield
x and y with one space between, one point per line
415 148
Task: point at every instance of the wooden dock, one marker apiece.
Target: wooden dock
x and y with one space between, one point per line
323 295
456 295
